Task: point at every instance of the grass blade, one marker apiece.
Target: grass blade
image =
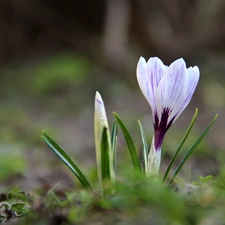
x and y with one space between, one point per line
66 159
114 144
130 144
145 147
192 149
182 143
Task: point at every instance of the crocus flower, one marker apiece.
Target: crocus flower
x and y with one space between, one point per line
168 90
100 123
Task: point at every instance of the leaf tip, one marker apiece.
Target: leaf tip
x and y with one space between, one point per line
114 113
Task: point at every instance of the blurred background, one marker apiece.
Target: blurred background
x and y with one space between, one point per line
54 56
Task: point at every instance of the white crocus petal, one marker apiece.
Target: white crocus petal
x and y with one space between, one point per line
173 87
142 77
149 75
100 114
156 70
193 75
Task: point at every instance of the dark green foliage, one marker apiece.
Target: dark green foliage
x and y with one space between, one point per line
191 150
181 144
130 144
105 157
114 143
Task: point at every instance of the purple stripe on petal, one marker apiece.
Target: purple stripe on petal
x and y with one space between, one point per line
162 127
164 118
156 121
99 101
148 91
159 136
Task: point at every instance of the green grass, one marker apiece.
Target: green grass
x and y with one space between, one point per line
136 200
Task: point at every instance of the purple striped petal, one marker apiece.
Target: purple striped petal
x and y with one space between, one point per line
172 88
193 75
156 70
149 75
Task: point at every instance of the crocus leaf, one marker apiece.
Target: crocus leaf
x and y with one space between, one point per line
114 144
145 146
130 144
105 158
66 159
181 144
191 150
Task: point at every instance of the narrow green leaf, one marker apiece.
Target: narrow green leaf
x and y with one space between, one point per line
192 149
114 144
130 144
105 156
145 146
182 143
66 159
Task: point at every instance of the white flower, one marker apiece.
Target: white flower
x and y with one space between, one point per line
168 90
